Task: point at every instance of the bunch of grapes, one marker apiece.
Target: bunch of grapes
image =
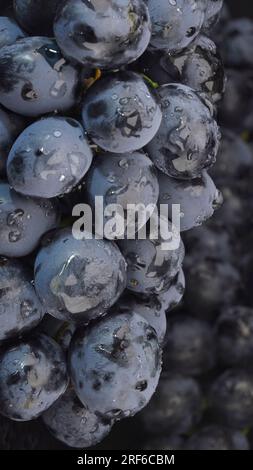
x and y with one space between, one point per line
116 99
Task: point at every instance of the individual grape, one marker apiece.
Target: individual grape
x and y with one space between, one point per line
115 365
237 43
20 309
175 23
201 68
120 114
212 13
10 127
189 346
108 34
36 16
211 284
198 198
73 424
10 32
35 78
188 139
215 437
148 308
173 296
151 266
33 376
234 336
123 179
175 407
23 221
49 158
231 398
79 280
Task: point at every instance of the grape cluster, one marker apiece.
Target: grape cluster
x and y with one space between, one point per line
112 99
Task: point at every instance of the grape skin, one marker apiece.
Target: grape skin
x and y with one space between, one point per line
120 114
23 68
49 158
188 139
115 365
107 35
78 280
73 424
33 376
23 221
20 308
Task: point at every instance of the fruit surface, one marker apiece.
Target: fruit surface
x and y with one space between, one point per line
107 34
115 365
120 114
33 375
78 280
35 77
49 158
23 221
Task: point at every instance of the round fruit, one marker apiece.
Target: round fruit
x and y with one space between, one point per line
49 158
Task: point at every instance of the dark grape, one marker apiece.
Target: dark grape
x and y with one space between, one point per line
49 158
120 114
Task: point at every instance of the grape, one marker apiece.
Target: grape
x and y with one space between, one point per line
151 267
78 280
175 407
217 438
10 127
123 179
73 424
20 309
115 365
175 23
188 139
148 308
10 32
33 376
198 198
35 78
49 158
120 114
234 332
189 346
107 34
201 68
231 398
23 221
36 16
173 296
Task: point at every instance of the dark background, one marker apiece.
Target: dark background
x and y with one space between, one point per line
241 7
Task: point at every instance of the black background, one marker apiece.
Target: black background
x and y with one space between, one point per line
241 7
